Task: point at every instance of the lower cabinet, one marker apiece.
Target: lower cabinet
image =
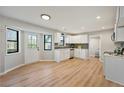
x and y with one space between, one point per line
62 54
81 53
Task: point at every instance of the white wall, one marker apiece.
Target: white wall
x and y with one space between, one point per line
14 60
2 49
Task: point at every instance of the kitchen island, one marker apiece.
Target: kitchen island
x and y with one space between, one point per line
114 68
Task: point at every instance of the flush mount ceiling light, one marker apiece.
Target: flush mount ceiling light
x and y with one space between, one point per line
45 17
98 17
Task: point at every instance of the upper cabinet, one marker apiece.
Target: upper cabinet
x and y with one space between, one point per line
119 25
120 16
56 37
121 11
120 34
79 39
59 38
67 38
70 38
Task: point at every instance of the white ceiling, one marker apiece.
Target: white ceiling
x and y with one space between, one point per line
68 19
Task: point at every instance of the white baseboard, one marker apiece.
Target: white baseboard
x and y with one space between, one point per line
20 66
114 81
47 60
2 74
101 60
13 68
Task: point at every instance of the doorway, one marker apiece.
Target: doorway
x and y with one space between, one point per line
32 47
94 46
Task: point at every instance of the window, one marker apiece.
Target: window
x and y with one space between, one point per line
12 41
32 41
47 42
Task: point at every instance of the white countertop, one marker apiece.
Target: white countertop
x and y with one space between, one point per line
113 55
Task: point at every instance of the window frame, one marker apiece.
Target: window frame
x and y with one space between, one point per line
47 42
17 41
31 41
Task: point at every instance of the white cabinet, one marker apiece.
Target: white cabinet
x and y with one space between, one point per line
84 39
121 11
67 38
120 34
62 54
77 53
57 37
84 53
79 39
119 25
114 68
81 53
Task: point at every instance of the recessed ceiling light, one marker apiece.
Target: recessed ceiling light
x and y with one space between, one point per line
98 17
63 28
45 17
103 27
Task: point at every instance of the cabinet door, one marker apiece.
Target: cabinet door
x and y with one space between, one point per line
122 11
67 52
57 56
120 34
57 37
67 39
84 38
82 53
73 39
75 52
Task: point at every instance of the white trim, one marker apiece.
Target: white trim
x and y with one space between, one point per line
21 66
15 28
114 81
48 60
14 68
1 74
101 60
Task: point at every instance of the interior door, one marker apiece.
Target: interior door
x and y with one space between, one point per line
32 47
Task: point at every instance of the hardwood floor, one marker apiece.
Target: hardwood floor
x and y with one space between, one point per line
71 73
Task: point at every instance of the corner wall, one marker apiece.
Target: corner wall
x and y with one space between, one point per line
2 50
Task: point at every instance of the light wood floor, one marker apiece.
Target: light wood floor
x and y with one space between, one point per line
71 73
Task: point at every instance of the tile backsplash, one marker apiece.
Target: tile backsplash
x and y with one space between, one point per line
74 45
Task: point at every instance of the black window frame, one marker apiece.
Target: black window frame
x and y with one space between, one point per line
17 40
48 42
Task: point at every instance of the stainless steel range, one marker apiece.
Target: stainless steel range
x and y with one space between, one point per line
71 53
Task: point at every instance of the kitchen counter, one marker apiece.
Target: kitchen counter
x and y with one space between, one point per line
114 55
114 68
66 53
